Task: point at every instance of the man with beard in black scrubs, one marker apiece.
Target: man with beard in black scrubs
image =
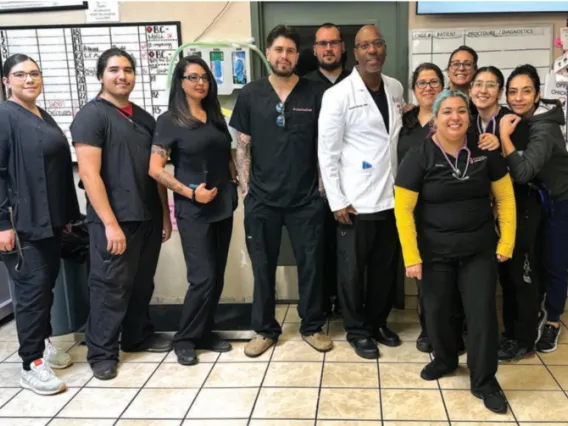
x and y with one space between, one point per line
276 120
329 48
127 213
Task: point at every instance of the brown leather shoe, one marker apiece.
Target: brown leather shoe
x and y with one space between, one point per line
257 346
319 341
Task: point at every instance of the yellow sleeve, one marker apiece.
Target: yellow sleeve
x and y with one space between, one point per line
502 189
404 205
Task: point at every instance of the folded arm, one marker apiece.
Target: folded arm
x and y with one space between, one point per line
158 171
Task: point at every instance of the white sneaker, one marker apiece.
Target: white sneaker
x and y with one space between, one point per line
41 380
56 358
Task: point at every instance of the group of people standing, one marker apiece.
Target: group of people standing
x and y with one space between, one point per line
468 190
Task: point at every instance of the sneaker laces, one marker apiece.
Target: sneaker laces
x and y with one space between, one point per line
50 349
548 332
43 372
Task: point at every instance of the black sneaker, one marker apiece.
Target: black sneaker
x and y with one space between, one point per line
105 370
494 401
212 342
511 350
423 343
434 371
549 339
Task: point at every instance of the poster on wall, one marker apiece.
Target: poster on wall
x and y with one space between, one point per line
67 56
8 6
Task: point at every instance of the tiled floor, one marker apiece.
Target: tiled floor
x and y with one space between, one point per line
291 385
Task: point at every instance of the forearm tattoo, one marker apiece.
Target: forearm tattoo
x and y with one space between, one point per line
243 158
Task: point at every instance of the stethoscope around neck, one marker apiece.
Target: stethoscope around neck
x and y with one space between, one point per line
491 121
456 172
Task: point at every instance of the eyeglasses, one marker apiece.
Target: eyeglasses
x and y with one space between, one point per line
22 75
281 119
194 78
457 65
325 43
478 84
376 43
434 84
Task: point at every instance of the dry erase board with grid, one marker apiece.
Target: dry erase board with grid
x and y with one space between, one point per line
502 47
67 56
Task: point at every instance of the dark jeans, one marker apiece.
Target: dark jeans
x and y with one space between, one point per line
33 292
205 248
476 279
263 228
366 252
121 288
556 260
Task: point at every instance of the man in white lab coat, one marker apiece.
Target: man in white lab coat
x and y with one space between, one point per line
359 124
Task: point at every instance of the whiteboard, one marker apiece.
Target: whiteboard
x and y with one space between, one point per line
67 56
502 47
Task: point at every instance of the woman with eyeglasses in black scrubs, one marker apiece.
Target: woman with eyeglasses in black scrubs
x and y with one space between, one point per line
37 201
446 228
518 277
205 194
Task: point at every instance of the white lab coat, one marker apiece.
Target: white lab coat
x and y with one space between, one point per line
357 157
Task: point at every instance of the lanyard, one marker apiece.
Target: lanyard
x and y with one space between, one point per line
456 171
490 121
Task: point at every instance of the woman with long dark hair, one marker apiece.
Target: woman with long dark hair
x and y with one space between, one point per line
545 160
37 201
196 135
518 277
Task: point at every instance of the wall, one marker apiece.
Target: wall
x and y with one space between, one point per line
195 17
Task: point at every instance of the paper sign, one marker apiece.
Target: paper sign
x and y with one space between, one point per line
564 38
172 215
102 11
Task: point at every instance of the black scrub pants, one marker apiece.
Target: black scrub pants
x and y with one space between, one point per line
121 288
476 279
205 249
263 228
367 268
330 261
519 277
33 292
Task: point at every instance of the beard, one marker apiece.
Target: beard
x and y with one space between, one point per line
330 66
281 73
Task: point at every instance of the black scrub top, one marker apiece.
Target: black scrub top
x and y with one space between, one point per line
200 155
454 218
380 98
284 159
36 173
412 133
318 77
126 144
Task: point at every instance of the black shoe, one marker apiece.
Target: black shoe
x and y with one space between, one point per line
186 356
512 350
423 343
549 339
104 370
154 343
387 337
494 401
365 348
214 343
434 371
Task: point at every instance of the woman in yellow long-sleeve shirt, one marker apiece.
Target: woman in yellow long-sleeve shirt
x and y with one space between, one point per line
446 228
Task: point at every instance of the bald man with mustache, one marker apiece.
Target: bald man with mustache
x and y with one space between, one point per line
359 124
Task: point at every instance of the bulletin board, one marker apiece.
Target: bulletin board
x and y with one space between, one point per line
67 56
502 47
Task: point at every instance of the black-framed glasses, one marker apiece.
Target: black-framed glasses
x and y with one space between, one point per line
325 43
434 84
22 75
281 110
456 65
365 45
194 78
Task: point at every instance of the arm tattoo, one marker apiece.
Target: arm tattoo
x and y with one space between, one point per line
170 182
243 159
160 150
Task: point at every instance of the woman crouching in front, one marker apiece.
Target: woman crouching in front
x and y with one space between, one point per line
444 184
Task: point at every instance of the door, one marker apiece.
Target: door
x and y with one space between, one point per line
390 17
